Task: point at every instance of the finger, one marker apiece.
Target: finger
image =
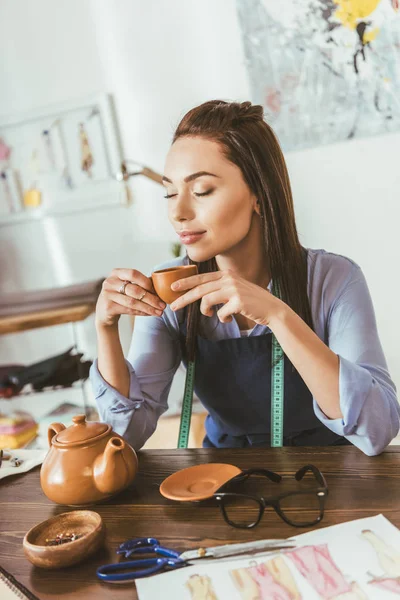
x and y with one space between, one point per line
134 276
195 294
112 284
117 309
138 293
132 312
209 301
225 314
190 282
128 302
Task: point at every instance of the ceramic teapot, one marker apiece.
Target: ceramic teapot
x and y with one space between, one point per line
87 462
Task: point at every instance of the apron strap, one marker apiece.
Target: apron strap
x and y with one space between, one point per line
277 394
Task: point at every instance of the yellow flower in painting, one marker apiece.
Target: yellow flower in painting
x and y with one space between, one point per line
370 35
351 12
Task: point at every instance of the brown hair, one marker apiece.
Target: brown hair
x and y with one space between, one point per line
249 142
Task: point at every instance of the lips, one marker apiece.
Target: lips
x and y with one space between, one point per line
190 237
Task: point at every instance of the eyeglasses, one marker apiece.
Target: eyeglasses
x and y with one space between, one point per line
300 508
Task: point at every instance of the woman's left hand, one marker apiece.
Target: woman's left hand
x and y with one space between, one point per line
236 294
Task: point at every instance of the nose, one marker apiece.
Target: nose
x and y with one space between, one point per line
181 209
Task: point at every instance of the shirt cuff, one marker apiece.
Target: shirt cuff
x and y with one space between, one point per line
120 403
354 388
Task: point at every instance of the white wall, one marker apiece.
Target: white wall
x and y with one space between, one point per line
159 59
347 201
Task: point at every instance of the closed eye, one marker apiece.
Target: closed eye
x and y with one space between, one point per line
196 194
203 193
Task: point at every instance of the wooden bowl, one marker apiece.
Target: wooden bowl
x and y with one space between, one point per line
163 279
85 523
198 482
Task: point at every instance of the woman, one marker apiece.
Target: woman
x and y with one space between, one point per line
229 199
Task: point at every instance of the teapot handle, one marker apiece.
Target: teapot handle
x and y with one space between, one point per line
54 428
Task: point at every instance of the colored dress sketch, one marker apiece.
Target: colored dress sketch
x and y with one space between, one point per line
325 70
391 585
271 580
357 560
316 565
200 588
281 573
389 560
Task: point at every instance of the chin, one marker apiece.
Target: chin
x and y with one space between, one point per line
199 255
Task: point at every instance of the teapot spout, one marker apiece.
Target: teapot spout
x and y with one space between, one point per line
111 471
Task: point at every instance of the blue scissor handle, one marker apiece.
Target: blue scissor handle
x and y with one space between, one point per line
136 543
168 552
107 572
145 546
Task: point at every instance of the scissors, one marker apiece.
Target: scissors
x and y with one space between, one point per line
166 559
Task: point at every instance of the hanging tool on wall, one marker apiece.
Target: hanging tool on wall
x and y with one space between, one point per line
137 169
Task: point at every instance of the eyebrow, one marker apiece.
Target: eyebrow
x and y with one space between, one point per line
192 176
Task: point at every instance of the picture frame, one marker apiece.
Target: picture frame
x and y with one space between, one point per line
68 154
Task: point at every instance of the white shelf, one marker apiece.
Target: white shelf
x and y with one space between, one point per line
41 213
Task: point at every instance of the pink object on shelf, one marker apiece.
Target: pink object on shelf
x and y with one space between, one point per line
5 150
17 428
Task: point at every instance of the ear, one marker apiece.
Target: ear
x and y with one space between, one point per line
257 207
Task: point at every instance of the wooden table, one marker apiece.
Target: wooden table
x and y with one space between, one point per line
359 486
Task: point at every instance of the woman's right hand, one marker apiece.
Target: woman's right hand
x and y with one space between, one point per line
139 298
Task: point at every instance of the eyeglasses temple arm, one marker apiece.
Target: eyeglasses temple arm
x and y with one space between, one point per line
315 471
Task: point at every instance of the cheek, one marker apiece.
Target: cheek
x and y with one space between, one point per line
226 223
231 218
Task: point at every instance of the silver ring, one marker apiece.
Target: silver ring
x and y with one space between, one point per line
142 296
122 288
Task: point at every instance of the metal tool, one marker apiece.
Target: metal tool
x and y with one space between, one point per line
167 559
237 549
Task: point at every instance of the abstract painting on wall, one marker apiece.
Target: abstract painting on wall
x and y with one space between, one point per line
325 70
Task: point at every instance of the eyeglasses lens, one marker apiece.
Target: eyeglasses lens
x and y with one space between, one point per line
241 511
302 509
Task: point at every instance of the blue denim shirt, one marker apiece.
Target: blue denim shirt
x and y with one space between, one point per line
344 320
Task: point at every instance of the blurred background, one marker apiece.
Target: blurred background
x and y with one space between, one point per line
88 84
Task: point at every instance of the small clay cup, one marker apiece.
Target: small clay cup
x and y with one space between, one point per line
163 279
85 523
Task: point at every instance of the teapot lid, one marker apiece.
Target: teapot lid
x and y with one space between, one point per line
81 430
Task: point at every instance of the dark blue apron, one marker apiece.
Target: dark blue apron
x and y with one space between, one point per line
233 382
